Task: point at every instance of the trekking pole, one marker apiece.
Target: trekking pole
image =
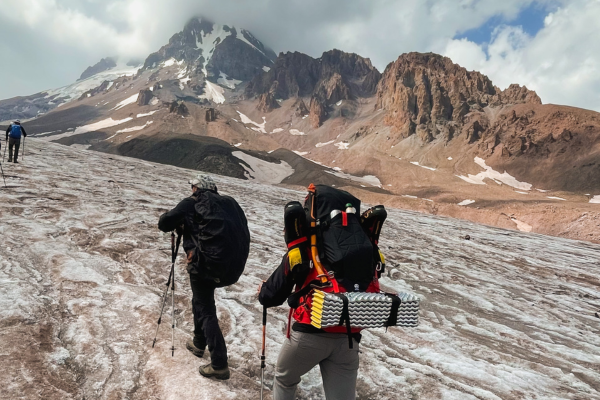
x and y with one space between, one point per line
5 146
2 169
163 306
174 249
171 277
262 357
23 155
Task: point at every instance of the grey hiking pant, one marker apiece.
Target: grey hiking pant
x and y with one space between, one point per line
16 143
302 351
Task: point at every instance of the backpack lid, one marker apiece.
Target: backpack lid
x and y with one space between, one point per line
329 198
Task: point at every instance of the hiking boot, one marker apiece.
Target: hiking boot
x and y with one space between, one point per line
16 162
209 372
10 160
198 352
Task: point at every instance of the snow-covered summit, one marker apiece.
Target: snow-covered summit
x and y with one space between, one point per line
212 49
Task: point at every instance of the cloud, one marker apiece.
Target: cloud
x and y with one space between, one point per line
561 62
50 42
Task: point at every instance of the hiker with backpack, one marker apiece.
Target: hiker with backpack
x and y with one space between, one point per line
13 137
216 240
332 250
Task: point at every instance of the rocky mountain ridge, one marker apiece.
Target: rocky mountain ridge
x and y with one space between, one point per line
334 76
103 65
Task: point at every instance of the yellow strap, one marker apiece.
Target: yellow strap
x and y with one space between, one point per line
294 257
381 256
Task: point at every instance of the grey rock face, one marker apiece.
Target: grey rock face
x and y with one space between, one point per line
103 65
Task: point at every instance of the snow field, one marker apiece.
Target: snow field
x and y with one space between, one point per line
506 315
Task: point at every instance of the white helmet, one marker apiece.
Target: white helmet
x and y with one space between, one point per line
203 182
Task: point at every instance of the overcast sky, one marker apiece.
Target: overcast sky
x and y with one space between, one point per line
551 46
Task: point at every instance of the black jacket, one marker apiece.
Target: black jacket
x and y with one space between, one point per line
275 291
10 127
182 216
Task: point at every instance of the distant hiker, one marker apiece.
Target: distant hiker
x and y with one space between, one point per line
216 240
13 137
351 262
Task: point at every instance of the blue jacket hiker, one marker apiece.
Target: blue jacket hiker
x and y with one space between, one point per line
13 137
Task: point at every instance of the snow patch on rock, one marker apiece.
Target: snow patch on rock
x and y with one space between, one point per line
324 144
127 101
213 92
367 179
248 121
135 128
227 81
595 199
147 114
296 132
422 166
466 202
493 175
263 171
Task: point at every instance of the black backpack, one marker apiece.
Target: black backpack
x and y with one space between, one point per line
344 247
223 238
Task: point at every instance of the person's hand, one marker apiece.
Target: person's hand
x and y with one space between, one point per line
259 288
179 230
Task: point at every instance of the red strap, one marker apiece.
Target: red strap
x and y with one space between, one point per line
336 288
289 323
297 241
344 218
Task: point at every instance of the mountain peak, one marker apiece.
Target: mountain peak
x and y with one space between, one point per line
103 65
211 49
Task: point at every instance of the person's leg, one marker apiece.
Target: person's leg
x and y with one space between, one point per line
205 317
11 143
17 145
199 338
298 355
339 370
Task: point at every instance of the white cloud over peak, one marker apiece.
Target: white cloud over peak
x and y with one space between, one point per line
55 40
561 62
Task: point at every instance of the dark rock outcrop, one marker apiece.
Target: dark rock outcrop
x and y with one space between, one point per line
179 108
210 115
103 65
144 97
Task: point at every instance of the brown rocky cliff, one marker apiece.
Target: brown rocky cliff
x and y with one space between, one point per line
429 94
333 77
